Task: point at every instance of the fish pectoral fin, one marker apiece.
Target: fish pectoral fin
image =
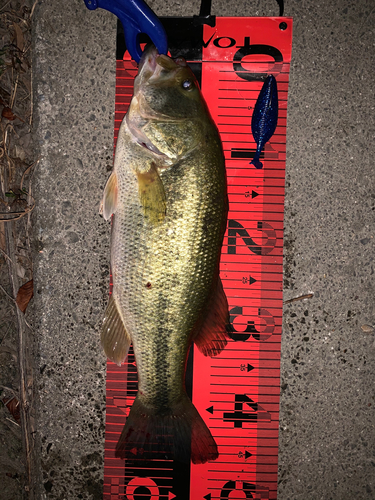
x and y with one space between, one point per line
211 337
109 203
152 195
114 337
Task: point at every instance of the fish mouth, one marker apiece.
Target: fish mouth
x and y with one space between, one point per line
147 68
148 58
152 64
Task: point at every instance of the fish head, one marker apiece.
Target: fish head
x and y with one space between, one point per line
166 87
167 112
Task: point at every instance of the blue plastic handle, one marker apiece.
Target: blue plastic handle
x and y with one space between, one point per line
136 18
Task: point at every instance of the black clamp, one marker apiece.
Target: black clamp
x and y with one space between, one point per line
206 18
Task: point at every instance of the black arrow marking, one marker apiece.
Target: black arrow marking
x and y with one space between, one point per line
247 454
252 280
208 496
210 410
254 194
249 367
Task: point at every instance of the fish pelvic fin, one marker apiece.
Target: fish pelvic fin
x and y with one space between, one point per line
211 336
109 203
152 195
178 434
114 337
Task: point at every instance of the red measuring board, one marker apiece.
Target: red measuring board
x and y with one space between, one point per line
237 392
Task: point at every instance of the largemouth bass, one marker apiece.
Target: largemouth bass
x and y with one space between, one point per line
168 194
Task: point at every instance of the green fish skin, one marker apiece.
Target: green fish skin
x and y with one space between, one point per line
169 196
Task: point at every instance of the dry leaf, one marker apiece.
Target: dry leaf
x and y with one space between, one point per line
20 42
13 406
24 295
8 114
367 328
21 271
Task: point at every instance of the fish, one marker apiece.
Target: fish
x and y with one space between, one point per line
168 197
264 119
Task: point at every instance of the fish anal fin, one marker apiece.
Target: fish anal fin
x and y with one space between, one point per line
152 195
211 337
114 337
109 203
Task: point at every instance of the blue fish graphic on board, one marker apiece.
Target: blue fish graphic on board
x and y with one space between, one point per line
264 120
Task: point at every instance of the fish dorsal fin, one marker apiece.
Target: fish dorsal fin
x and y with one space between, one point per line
211 337
114 337
152 195
109 203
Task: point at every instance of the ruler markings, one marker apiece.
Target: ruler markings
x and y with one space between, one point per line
247 116
227 124
239 80
113 467
265 294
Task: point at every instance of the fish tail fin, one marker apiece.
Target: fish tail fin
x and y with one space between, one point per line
179 434
257 164
203 445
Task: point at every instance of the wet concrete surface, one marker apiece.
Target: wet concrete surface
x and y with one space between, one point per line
327 369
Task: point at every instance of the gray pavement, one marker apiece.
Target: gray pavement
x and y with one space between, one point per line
327 437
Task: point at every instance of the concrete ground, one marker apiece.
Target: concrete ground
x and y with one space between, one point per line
327 437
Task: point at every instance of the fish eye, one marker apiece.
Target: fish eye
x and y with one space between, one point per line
187 84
